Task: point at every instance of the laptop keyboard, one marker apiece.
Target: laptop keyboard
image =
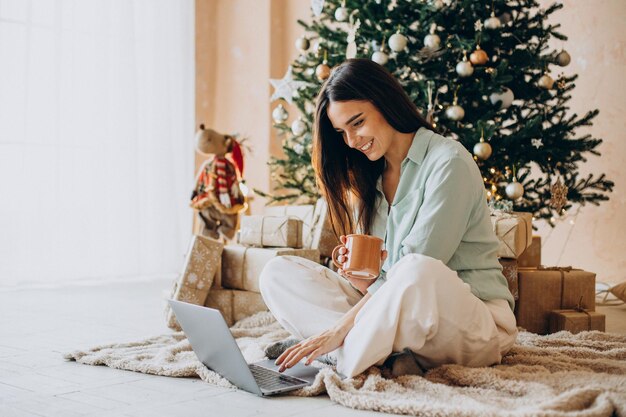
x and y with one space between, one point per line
271 380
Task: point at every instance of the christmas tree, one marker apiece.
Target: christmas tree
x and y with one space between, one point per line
482 73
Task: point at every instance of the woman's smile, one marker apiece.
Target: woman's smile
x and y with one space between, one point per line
367 146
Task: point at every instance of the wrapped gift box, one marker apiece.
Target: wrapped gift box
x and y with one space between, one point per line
531 257
302 212
193 285
542 290
323 236
271 231
576 321
235 304
241 265
509 270
514 230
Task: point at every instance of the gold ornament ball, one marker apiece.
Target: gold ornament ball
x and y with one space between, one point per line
322 71
482 150
479 57
302 44
546 82
514 190
563 58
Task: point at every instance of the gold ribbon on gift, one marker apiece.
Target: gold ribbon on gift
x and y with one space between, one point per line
504 215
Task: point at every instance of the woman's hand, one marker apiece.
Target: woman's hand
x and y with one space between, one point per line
359 284
311 348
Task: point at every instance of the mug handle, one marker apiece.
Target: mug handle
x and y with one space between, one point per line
334 256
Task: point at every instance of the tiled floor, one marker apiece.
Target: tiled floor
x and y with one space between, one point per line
38 325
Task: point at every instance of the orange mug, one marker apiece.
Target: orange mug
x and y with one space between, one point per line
363 258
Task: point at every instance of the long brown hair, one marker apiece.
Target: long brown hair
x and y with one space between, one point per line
345 176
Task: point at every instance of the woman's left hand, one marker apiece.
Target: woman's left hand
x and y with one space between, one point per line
311 348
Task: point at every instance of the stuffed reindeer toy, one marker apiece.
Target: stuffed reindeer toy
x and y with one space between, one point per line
217 196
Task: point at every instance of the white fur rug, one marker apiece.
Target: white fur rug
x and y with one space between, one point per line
556 375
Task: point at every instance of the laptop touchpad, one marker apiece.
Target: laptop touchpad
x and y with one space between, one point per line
299 371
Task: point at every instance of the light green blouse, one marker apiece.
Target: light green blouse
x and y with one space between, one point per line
440 210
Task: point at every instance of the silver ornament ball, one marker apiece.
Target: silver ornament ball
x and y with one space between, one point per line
492 23
341 14
280 114
482 150
506 97
514 190
432 41
455 112
464 68
380 57
298 127
397 42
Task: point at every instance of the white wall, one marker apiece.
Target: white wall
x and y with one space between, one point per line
596 241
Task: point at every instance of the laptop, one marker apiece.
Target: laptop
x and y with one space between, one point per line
215 346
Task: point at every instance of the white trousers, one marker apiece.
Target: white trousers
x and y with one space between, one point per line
423 306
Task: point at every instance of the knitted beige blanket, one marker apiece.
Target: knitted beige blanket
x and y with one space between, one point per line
556 375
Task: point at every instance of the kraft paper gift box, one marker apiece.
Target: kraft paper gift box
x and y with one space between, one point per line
514 230
302 212
531 257
544 289
242 266
200 266
271 231
509 270
323 236
235 304
576 321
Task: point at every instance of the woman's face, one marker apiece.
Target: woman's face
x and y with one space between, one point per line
362 126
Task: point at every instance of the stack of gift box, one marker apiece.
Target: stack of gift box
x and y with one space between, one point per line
226 277
547 299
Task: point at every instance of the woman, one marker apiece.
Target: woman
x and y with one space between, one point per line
441 296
